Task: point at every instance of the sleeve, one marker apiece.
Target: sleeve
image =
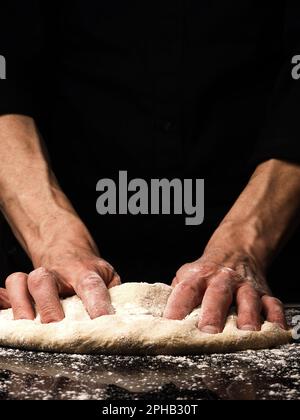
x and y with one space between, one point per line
21 39
280 137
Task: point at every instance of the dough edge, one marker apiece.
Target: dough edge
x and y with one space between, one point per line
129 334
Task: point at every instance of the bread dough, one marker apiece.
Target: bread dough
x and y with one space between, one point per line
136 328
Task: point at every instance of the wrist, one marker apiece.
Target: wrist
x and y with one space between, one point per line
63 234
234 244
44 221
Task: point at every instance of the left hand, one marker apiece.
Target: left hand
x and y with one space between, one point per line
217 287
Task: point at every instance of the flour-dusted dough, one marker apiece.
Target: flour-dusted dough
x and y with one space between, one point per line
136 328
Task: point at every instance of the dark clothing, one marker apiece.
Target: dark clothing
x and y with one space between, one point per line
172 88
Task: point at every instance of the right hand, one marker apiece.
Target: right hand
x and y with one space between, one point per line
61 274
216 287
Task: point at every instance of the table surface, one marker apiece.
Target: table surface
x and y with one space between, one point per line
250 375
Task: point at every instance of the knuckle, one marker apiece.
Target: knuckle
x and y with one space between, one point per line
106 269
221 288
188 268
184 267
274 302
247 292
117 278
190 275
186 286
90 282
106 265
14 277
37 276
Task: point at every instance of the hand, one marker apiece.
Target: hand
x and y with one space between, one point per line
49 230
4 302
217 288
62 273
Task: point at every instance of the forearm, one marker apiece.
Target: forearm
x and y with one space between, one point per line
263 217
30 197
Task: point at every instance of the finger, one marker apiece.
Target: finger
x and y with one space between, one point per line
249 309
215 306
19 296
116 281
274 311
42 285
186 296
94 295
175 282
4 300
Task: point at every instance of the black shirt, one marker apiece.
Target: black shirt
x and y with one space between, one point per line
168 88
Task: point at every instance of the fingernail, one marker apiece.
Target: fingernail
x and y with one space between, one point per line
210 329
249 328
